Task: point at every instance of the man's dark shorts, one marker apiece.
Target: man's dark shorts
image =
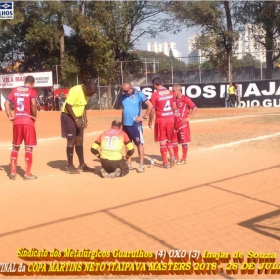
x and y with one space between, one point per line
111 165
68 127
135 134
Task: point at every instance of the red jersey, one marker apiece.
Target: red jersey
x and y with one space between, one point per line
21 97
162 100
183 106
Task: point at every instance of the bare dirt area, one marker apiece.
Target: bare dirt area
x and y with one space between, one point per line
226 198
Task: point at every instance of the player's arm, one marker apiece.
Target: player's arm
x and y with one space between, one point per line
94 148
33 108
8 109
128 145
149 108
129 149
85 119
192 113
153 110
69 109
151 117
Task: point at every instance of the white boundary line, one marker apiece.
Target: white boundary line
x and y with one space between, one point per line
241 141
193 121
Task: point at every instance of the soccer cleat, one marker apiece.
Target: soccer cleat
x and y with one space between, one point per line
72 170
172 161
85 168
166 166
29 177
130 167
12 176
141 168
180 162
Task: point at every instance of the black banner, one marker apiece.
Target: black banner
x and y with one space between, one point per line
261 93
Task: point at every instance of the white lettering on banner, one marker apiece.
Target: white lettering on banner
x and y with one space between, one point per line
271 91
147 91
16 80
209 91
265 103
223 91
255 92
196 94
252 89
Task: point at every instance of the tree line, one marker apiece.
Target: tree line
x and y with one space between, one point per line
103 33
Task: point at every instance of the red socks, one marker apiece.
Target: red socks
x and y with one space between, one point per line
185 151
176 151
163 151
28 162
14 157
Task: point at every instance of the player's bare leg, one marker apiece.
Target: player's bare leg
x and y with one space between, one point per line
140 149
79 148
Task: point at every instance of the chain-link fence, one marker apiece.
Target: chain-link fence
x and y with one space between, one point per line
188 70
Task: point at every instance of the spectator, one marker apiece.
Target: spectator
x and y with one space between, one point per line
238 94
232 98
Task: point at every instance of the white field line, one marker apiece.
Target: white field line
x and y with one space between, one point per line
241 141
144 127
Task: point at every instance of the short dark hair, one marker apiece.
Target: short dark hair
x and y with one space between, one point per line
29 80
116 123
157 81
91 85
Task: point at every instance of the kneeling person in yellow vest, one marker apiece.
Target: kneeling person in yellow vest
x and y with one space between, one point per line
108 147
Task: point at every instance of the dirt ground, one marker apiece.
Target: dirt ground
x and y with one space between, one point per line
226 198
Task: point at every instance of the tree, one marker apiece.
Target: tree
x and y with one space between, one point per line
264 19
215 20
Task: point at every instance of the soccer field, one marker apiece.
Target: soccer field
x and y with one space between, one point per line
226 198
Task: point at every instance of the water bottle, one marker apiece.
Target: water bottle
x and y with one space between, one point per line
152 163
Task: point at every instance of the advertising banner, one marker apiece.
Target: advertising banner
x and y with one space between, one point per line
261 93
42 79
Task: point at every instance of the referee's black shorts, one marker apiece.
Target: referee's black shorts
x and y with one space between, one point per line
111 165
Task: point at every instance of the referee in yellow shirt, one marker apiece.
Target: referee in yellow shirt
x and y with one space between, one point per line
232 97
74 121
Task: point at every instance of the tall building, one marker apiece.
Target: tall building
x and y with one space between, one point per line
165 48
244 44
251 46
195 54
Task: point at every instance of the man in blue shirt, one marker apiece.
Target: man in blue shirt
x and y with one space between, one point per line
132 100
